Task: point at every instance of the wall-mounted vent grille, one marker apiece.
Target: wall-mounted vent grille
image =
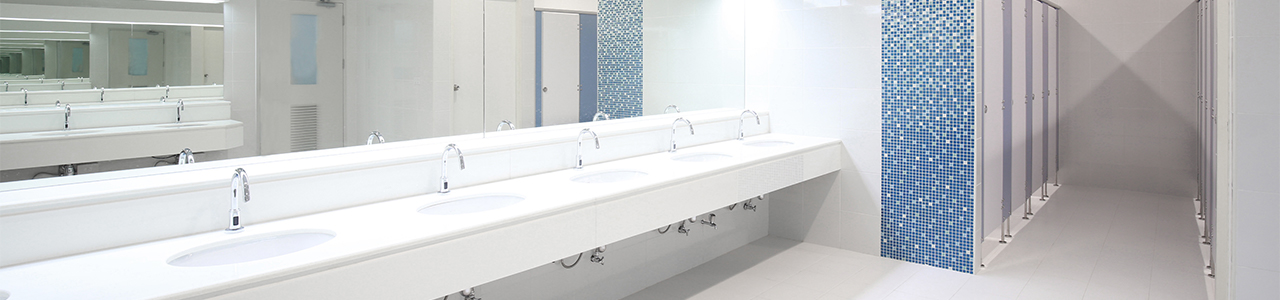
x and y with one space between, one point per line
303 127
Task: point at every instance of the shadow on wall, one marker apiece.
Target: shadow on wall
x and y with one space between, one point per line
1128 111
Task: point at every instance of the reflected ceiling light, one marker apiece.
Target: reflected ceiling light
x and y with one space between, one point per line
41 31
109 22
54 40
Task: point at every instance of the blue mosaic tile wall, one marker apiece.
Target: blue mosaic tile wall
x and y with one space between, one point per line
620 53
928 132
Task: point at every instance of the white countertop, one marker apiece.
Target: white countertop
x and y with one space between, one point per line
365 232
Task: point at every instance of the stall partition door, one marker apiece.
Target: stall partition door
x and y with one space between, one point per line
300 75
558 55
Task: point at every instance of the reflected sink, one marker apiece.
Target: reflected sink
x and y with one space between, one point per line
182 125
609 176
701 157
767 143
67 132
4 295
471 204
251 248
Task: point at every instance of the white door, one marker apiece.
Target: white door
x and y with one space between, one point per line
992 115
136 58
559 68
300 59
213 56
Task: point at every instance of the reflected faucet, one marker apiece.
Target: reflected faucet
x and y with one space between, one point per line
24 96
66 117
181 107
239 189
63 86
102 95
372 136
508 123
6 86
669 108
166 91
600 116
675 125
186 157
743 116
444 166
580 134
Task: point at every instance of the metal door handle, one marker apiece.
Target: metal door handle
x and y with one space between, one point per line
544 89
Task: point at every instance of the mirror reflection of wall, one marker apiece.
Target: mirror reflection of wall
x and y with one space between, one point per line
571 61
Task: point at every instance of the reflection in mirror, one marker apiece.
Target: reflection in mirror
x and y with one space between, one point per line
101 86
563 62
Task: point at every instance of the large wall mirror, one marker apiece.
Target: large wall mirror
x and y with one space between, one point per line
244 79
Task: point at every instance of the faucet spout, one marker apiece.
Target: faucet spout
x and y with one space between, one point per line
741 135
66 116
239 191
671 107
600 116
444 166
375 135
675 125
582 133
186 157
510 125
181 107
24 96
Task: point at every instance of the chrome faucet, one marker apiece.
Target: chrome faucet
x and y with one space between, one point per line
6 86
743 116
600 116
710 221
102 95
444 166
508 123
239 189
24 96
675 125
669 108
63 86
186 157
580 134
375 135
66 117
166 91
181 107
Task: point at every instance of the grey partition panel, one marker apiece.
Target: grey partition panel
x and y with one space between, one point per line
993 85
1052 160
1035 98
1021 85
587 65
1006 107
1043 112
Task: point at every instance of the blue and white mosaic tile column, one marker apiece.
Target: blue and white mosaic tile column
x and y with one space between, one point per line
928 132
620 53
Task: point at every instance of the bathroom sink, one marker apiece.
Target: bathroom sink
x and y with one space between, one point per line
182 125
470 204
67 132
767 143
609 176
251 248
4 295
701 157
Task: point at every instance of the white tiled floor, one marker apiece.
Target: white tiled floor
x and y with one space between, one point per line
1087 243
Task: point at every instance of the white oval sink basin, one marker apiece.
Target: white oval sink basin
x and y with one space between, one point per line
4 295
67 132
609 176
181 125
470 204
701 157
251 248
767 143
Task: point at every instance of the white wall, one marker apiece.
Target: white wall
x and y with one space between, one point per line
389 69
241 62
816 68
1128 95
693 54
1255 170
509 57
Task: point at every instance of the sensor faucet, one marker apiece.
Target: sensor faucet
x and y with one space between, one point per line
670 107
239 190
444 166
584 132
600 116
743 116
66 117
508 123
186 157
375 135
181 108
675 125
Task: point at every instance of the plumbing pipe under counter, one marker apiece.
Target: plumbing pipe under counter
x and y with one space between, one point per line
393 239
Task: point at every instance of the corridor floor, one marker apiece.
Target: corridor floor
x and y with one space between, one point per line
1086 243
